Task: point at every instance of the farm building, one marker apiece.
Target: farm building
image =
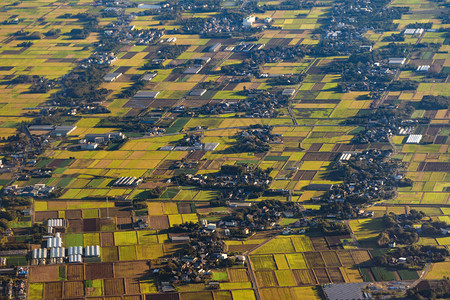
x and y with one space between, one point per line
76 258
127 181
149 76
58 252
319 187
104 137
412 31
193 70
248 21
423 68
197 92
345 156
215 47
76 250
397 60
54 242
201 147
62 131
39 253
92 251
111 77
414 139
146 94
288 92
55 223
345 291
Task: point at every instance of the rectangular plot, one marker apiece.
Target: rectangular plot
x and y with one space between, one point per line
296 261
114 287
331 259
302 244
335 275
319 243
346 258
266 278
361 257
53 290
285 278
238 275
281 261
75 272
73 289
133 269
263 262
98 271
132 286
305 277
322 276
314 259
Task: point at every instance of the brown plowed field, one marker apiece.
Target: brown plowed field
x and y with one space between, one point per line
114 287
107 239
133 269
99 271
75 272
73 289
44 273
132 286
53 290
159 222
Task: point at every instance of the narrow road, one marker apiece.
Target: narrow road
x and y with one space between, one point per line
422 275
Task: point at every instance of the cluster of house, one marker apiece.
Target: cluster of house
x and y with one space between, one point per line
99 58
38 190
55 253
206 254
228 181
381 128
147 36
127 181
15 290
215 24
91 141
253 108
260 135
375 174
265 220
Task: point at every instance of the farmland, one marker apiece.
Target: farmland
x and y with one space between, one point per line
283 125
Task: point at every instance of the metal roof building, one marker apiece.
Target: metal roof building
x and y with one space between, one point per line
146 94
39 253
111 77
76 258
92 251
397 60
149 76
54 242
197 92
414 139
77 250
57 252
346 291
